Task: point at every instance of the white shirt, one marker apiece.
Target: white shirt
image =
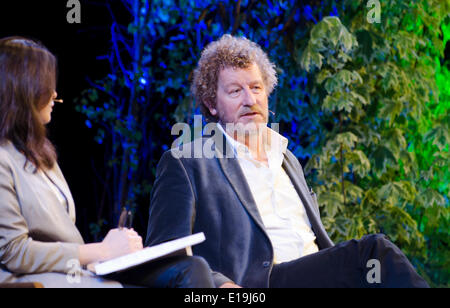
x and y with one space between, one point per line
279 204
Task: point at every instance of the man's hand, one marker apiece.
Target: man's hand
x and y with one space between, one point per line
230 285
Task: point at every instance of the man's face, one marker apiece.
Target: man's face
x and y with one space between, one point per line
241 97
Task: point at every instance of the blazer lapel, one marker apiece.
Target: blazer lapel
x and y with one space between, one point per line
236 177
63 189
53 176
305 196
233 172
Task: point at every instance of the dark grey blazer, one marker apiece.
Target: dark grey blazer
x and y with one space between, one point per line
211 195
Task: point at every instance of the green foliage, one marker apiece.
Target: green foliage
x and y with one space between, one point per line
383 163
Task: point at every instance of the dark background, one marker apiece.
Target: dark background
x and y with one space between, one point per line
76 47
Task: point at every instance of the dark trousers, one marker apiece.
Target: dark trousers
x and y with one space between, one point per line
170 272
372 261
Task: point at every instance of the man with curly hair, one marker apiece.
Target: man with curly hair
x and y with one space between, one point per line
262 223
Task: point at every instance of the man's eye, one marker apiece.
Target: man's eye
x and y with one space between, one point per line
235 91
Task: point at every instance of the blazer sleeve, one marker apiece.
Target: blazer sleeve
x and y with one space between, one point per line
172 206
172 202
19 253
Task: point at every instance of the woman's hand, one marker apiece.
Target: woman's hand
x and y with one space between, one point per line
119 242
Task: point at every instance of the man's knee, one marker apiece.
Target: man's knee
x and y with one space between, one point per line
377 247
195 272
384 258
378 240
192 272
198 264
190 263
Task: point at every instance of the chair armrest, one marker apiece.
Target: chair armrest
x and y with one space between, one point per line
26 285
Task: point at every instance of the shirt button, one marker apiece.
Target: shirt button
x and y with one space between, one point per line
266 264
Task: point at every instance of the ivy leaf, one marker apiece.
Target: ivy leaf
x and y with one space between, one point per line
353 192
434 215
408 161
431 198
331 201
370 201
310 59
359 97
332 147
347 77
343 225
394 190
322 75
332 29
390 110
332 84
395 141
439 137
341 80
359 161
338 101
382 157
347 140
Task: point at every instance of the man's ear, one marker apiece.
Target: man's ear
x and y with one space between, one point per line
211 108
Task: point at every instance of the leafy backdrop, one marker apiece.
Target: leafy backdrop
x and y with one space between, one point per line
365 106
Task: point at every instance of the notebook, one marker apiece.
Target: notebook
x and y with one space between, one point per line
148 254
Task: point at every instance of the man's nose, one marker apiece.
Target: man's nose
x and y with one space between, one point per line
249 98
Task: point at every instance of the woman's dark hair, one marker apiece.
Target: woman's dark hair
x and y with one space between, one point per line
27 84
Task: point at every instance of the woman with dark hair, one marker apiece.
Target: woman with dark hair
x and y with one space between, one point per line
39 241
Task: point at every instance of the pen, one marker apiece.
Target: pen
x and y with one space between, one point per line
129 219
123 218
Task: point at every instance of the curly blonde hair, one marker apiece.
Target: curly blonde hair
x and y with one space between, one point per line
228 51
